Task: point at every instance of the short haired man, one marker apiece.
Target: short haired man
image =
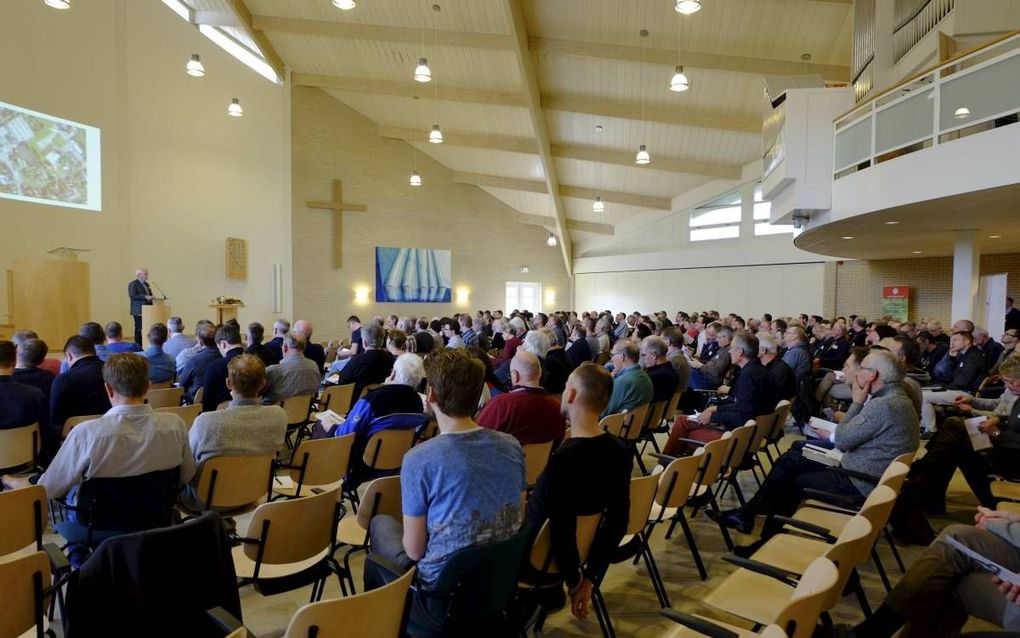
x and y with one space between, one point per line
295 375
193 374
879 425
374 363
467 331
961 371
931 351
709 374
20 404
631 386
987 346
526 412
658 368
677 356
77 392
423 340
598 463
214 377
94 333
29 370
50 365
834 350
556 363
782 375
460 489
313 351
1012 316
256 348
1009 341
280 329
797 355
176 340
140 294
162 366
115 343
184 355
451 333
578 347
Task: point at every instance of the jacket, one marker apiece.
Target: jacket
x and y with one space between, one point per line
138 291
962 372
874 433
754 393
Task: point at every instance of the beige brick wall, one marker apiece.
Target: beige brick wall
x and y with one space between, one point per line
331 140
855 287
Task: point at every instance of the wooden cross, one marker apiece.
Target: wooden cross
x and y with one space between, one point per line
337 205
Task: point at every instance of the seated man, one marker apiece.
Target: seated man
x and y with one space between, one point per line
631 386
29 371
961 371
255 346
129 440
162 366
246 427
931 352
988 347
214 377
879 426
295 375
675 355
115 343
193 372
186 354
372 365
176 340
49 365
658 368
398 395
77 392
944 585
835 349
709 374
782 375
275 345
588 474
20 405
93 332
556 364
313 351
797 355
578 348
527 411
754 393
460 489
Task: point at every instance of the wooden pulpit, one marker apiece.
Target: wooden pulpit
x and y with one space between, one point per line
51 297
158 312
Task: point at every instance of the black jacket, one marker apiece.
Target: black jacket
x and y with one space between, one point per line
214 380
754 393
137 291
78 392
316 353
367 368
833 353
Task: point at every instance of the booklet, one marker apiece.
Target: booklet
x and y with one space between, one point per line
978 439
823 426
832 458
328 419
986 564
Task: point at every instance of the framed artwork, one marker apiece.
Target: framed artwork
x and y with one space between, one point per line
237 258
419 275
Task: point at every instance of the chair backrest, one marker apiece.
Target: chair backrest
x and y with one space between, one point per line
382 496
877 508
906 459
130 503
337 398
75 421
188 413
671 405
430 430
324 461
162 385
782 413
22 582
714 456
226 482
374 614
740 442
23 512
799 616
19 446
764 424
654 415
642 495
613 423
164 398
385 449
540 556
297 408
848 551
199 395
894 476
676 481
536 457
331 353
368 388
634 423
294 529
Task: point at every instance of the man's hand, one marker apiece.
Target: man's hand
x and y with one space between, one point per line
860 394
723 389
985 516
706 417
963 399
1011 591
149 297
13 482
580 596
816 432
990 426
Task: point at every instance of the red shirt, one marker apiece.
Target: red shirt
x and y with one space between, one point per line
527 413
509 349
53 365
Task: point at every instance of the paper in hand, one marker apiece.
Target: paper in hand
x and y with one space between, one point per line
978 439
986 564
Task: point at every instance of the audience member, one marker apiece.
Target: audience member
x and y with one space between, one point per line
677 357
275 345
782 374
193 373
658 368
835 349
423 341
77 392
557 364
451 333
313 351
20 404
115 343
631 385
214 377
467 332
527 411
184 355
372 365
177 341
989 347
797 354
1009 341
50 365
256 332
709 374
961 371
29 370
162 366
932 351
295 375
578 348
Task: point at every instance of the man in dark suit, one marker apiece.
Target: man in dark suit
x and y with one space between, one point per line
141 295
20 404
313 351
77 392
193 372
275 345
374 363
214 377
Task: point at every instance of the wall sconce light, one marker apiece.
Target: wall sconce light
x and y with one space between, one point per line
360 295
463 295
550 296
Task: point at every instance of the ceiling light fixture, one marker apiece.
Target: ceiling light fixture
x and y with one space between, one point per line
194 67
415 179
598 206
58 4
891 223
422 73
345 5
961 113
234 109
847 237
995 237
917 252
642 156
551 241
679 83
687 7
436 135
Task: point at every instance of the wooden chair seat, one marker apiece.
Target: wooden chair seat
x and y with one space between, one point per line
245 566
738 632
349 532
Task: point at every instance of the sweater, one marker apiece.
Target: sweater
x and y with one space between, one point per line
874 433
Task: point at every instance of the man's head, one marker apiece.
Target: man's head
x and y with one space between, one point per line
587 390
206 335
114 332
455 382
743 348
711 332
905 349
157 334
142 274
126 377
525 369
625 354
465 322
280 327
373 336
837 331
246 376
228 337
8 357
294 345
674 338
538 342
353 322
980 336
960 341
1009 338
1010 373
256 332
93 332
408 369
31 353
175 325
963 325
304 327
78 347
879 368
653 351
21 336
794 335
724 336
768 347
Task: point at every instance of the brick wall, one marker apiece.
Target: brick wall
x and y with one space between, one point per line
855 287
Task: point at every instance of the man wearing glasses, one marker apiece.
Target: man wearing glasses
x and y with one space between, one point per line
631 386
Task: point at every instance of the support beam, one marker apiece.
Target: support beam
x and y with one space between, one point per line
245 18
550 223
356 31
407 89
526 65
217 18
681 117
693 59
579 192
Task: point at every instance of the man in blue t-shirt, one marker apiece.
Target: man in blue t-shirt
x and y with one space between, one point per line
463 488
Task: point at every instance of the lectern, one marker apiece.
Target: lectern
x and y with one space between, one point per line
226 311
158 312
50 296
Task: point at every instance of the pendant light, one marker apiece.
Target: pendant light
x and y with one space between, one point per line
345 5
679 82
234 109
598 206
642 156
422 73
551 241
415 179
436 135
687 7
194 67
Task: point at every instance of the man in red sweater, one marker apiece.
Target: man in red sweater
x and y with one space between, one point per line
527 412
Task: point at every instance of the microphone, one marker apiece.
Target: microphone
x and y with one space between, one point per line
160 290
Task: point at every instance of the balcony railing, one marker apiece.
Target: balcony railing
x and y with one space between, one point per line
919 19
975 91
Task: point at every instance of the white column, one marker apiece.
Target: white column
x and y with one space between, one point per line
966 276
882 66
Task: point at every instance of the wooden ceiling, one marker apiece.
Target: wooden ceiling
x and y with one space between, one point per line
520 85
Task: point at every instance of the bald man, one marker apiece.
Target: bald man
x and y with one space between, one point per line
527 412
313 351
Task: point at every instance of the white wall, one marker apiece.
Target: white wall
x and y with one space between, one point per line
179 175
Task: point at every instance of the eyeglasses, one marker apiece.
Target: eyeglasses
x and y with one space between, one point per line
866 369
616 354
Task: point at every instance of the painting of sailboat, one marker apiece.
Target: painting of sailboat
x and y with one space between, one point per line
419 275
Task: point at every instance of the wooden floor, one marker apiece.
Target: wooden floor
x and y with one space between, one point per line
628 592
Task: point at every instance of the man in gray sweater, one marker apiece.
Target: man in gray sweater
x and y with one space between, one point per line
880 425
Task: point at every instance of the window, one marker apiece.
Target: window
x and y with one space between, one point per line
718 219
523 295
762 211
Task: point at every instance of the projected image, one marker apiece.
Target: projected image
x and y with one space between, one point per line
48 160
412 274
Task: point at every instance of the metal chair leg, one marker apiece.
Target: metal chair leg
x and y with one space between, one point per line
880 569
895 552
691 544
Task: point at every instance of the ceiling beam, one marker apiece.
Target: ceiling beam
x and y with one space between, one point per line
244 16
579 192
407 89
217 18
526 65
550 222
693 59
676 116
355 31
